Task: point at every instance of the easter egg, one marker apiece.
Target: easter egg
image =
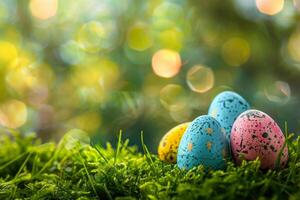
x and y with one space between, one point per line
255 134
226 107
168 146
203 143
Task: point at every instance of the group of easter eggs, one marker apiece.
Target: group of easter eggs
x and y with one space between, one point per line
231 128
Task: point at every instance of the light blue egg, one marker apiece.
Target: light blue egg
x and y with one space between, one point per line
226 107
203 143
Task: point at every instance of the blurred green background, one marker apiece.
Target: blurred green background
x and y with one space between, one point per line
105 65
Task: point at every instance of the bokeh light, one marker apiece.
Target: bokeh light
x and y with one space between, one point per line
13 114
236 51
8 52
94 35
43 9
102 66
171 39
269 7
24 77
91 36
17 77
200 78
293 46
167 14
278 92
173 97
166 63
139 37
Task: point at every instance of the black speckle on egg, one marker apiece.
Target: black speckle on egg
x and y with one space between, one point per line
273 148
265 135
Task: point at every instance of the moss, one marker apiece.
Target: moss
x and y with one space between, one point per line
73 169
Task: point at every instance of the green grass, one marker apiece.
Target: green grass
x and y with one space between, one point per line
73 169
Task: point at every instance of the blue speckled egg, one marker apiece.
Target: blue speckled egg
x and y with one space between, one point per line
203 143
226 107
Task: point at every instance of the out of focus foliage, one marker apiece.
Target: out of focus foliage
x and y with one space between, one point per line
105 65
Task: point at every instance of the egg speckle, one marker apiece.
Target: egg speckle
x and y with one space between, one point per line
168 146
202 143
226 107
255 134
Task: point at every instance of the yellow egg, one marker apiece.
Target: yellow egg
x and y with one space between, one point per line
168 146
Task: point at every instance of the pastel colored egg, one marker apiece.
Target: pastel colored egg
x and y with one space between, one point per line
255 134
226 107
203 143
168 146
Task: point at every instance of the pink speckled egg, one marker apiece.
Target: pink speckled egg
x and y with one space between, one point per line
255 134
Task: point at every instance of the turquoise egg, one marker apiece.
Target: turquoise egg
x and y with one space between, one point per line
203 143
226 107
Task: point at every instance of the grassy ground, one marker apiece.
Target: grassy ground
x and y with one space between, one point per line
72 169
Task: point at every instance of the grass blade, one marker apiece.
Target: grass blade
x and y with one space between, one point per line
118 146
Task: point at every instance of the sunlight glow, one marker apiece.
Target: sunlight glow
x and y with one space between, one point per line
166 63
269 7
43 9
